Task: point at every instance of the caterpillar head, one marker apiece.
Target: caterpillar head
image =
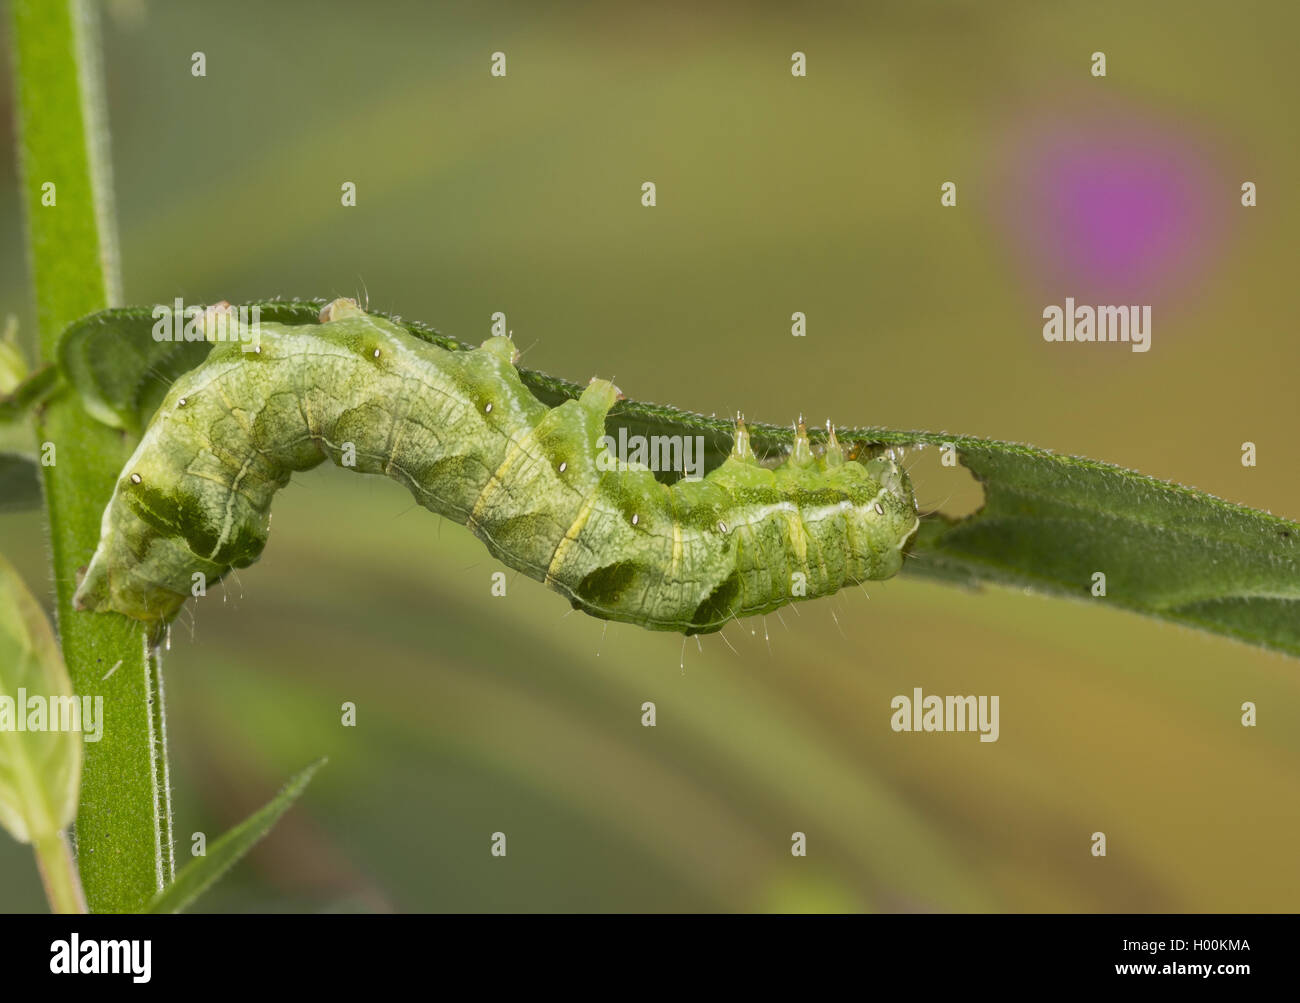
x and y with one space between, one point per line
890 475
339 309
886 512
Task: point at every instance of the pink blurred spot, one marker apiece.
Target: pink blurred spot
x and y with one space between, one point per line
1112 210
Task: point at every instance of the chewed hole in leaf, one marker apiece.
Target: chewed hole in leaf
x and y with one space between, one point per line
942 483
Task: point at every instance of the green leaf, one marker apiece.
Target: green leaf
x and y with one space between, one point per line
40 769
201 873
31 391
1048 524
13 367
121 372
20 482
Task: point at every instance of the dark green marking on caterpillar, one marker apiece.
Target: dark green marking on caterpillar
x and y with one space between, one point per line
471 442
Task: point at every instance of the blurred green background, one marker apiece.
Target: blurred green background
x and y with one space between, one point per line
775 194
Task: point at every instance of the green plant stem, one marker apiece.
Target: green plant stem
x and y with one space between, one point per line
123 823
164 836
59 874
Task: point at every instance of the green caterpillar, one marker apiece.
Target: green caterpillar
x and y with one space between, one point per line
470 442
